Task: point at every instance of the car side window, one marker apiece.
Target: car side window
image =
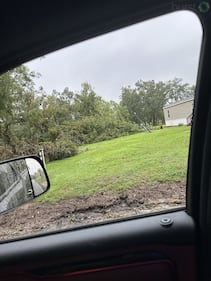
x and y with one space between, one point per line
110 118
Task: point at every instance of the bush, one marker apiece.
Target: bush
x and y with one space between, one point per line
59 150
21 149
53 151
95 129
5 152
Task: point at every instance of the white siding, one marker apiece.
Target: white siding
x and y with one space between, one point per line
176 122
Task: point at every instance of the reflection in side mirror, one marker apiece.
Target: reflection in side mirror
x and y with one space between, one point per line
21 180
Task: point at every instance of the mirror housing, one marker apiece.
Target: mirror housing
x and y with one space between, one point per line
21 180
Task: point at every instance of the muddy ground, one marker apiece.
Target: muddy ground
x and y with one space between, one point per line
36 217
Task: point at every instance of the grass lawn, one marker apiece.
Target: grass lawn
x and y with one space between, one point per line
145 158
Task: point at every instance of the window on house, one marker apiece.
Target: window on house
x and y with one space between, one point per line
96 109
168 114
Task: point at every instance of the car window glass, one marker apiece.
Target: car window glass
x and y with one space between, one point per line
110 117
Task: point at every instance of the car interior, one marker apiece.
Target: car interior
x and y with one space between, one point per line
168 245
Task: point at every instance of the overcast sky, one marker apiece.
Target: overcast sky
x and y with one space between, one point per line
158 49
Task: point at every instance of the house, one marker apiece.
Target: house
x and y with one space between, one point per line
178 113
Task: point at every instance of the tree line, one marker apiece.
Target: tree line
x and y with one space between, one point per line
62 121
145 101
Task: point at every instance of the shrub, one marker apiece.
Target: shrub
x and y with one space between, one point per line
53 151
5 152
59 150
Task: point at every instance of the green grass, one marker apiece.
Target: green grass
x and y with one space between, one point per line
121 163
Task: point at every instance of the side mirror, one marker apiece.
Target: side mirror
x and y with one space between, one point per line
21 180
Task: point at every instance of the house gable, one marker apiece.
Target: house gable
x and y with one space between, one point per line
178 113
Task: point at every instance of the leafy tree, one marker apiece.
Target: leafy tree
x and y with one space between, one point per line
146 100
16 93
86 103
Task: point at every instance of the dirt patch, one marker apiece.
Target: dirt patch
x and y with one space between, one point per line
34 218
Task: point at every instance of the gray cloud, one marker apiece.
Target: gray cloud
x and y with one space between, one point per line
159 49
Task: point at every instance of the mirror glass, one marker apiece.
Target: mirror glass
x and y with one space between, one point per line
37 175
21 180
